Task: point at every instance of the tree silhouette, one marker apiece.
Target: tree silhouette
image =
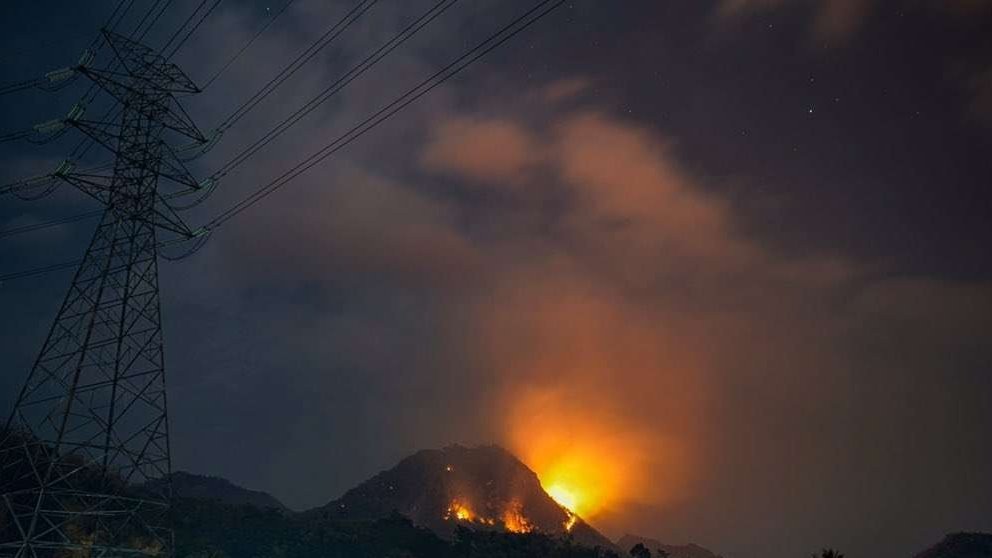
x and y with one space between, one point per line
829 553
640 551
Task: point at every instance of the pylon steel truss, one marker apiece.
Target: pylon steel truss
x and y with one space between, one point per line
84 459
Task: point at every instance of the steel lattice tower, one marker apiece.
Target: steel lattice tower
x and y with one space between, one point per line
84 460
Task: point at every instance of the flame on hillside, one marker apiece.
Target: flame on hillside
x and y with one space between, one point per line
514 520
587 458
512 517
460 511
570 522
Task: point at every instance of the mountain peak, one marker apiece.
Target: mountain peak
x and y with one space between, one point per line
482 487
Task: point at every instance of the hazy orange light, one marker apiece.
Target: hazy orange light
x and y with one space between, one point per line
563 496
588 460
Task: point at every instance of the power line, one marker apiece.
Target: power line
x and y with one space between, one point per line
205 15
183 26
494 41
54 223
51 81
39 270
154 20
248 44
21 85
336 30
365 65
34 272
112 26
144 18
36 181
14 136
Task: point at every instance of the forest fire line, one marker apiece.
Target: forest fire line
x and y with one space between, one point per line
512 518
570 522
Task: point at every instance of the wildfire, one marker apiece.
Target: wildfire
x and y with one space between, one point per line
460 511
588 458
514 520
563 496
581 479
570 522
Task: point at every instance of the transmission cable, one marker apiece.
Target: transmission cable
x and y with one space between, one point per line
60 74
494 41
248 44
48 224
39 270
327 38
179 31
144 18
196 26
365 65
75 263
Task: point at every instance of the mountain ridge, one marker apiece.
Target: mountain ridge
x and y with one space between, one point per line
483 487
690 550
209 487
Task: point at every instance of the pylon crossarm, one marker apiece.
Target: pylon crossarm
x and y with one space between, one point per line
177 120
98 132
111 82
167 219
96 186
173 169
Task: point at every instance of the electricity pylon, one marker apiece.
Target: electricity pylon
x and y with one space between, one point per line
84 459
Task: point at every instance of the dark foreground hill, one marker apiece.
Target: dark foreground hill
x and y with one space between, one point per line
211 529
189 485
674 551
483 488
961 545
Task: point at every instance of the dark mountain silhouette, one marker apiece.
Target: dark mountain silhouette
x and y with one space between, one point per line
202 487
690 550
451 503
211 529
483 488
961 545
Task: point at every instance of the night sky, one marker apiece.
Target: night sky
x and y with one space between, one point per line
732 252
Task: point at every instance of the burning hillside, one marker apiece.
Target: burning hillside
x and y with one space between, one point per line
481 488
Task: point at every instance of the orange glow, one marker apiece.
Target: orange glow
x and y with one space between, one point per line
599 397
514 520
459 511
588 459
570 522
563 496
